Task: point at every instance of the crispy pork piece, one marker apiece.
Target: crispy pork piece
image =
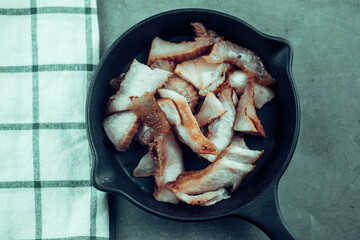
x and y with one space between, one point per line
246 119
262 95
172 114
239 141
163 64
249 62
220 131
138 80
145 134
210 110
147 109
178 52
237 80
237 151
202 32
115 82
184 88
223 173
169 164
241 155
204 199
202 74
218 83
120 129
189 132
145 167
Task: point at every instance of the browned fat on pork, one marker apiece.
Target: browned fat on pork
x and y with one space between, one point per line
216 85
184 88
145 134
210 110
171 112
178 52
246 119
204 199
138 80
262 94
145 167
163 64
202 32
120 129
223 173
169 164
199 187
189 132
202 75
249 62
148 110
221 130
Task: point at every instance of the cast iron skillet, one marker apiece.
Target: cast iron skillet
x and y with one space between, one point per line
256 199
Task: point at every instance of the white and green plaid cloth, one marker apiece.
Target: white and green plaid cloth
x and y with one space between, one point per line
49 50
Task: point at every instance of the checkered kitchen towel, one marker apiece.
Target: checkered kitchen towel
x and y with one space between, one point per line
48 51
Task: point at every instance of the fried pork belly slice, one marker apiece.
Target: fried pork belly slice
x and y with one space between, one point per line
241 155
145 134
239 141
237 80
163 64
204 199
246 119
120 129
262 95
249 62
145 167
148 110
172 114
184 88
237 151
169 164
115 82
202 74
220 131
223 173
189 132
218 83
210 110
138 80
201 31
178 52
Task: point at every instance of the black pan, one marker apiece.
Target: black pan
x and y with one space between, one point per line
256 199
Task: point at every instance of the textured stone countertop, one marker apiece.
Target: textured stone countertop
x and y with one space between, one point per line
319 194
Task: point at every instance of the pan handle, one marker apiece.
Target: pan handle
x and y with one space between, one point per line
264 213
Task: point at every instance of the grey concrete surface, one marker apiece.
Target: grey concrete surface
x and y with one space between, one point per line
319 194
